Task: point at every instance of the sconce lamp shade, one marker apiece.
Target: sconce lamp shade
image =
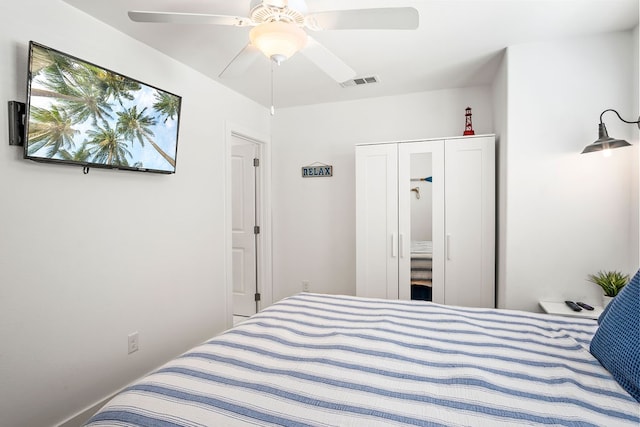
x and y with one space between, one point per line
604 141
278 40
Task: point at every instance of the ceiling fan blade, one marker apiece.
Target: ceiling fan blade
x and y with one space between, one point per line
241 62
391 18
188 18
327 61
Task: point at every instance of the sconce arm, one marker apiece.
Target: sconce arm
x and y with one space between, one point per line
617 114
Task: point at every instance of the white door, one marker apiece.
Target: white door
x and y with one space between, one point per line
243 208
421 220
470 222
377 221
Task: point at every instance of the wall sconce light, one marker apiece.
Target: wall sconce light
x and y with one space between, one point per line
604 141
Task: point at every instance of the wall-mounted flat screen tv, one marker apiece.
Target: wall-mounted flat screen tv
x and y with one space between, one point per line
81 114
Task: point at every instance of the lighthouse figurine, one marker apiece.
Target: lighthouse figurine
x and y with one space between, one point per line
468 127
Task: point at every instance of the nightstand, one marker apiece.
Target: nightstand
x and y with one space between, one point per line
561 309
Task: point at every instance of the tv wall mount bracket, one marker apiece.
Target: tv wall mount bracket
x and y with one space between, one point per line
17 114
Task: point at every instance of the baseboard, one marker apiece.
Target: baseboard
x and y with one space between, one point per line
83 416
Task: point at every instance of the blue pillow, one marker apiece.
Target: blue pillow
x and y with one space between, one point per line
616 343
604 313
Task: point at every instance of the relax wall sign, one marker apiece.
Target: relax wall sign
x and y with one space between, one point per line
317 171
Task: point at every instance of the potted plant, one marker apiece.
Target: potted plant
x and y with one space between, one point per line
611 283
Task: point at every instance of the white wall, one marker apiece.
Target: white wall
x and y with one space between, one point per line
314 218
500 125
636 191
567 214
87 259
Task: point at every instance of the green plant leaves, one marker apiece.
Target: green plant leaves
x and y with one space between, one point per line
611 282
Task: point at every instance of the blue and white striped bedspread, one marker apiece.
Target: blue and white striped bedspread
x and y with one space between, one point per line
321 360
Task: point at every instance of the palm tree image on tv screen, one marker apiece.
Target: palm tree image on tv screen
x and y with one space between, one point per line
83 114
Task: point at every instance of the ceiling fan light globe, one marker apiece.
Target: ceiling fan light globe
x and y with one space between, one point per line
278 39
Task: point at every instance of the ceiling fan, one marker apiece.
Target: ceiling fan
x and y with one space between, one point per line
279 31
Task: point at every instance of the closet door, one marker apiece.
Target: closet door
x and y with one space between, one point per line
470 222
421 187
377 221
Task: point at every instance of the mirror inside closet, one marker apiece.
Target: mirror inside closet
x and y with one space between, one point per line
421 196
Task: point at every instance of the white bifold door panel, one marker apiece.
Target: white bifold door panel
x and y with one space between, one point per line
455 179
470 222
377 224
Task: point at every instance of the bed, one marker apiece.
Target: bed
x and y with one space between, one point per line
329 360
421 269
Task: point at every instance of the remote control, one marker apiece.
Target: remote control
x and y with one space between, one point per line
585 306
573 306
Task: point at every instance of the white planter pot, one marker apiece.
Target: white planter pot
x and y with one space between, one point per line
606 300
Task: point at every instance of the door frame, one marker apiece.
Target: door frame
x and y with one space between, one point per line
263 211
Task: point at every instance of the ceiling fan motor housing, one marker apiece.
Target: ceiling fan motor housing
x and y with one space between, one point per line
290 11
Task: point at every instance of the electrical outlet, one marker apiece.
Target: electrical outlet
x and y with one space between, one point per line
132 339
305 286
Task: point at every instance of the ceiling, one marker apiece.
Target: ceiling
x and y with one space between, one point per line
459 43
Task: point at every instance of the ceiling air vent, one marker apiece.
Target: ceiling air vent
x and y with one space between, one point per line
358 81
